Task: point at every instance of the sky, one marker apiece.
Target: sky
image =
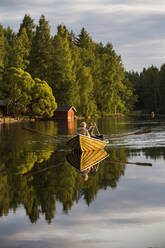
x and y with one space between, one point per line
134 27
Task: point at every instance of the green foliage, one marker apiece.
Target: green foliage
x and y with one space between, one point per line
17 85
25 95
28 24
10 37
113 89
20 51
161 89
2 46
149 87
63 75
81 73
41 50
43 101
87 106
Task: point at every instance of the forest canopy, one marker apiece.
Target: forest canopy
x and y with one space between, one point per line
40 71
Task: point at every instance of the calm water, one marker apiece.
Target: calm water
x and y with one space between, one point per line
45 202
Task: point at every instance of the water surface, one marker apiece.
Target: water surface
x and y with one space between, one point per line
45 202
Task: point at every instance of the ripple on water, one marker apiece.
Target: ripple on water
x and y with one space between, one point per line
154 139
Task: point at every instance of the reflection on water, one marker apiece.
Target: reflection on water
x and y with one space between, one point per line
39 188
38 176
83 160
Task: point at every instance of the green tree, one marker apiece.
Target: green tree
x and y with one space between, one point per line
112 88
88 60
161 82
149 95
97 76
27 23
41 50
17 86
25 95
10 37
130 98
20 51
2 46
87 105
134 79
43 101
63 77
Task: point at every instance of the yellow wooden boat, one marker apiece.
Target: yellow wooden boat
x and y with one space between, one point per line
83 160
85 143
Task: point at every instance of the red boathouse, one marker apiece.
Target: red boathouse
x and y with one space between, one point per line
65 113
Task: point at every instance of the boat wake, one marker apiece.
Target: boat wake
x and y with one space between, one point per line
154 139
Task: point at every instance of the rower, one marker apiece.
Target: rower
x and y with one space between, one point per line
90 127
83 129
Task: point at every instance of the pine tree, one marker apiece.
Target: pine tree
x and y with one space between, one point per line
149 92
27 23
2 46
112 88
20 51
87 104
63 77
162 89
87 51
41 50
10 37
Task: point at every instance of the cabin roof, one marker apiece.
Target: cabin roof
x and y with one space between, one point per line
2 103
65 108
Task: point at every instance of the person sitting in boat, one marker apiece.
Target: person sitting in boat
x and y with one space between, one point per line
83 129
90 127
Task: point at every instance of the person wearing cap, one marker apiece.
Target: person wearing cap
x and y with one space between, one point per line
83 129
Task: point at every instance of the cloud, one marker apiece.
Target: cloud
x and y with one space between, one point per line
124 23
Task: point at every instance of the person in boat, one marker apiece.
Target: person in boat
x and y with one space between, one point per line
90 127
83 129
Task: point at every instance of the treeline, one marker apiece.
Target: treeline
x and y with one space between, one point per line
150 88
40 71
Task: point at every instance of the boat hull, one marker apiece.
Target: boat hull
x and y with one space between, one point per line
85 143
83 160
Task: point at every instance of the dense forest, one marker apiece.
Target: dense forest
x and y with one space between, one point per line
149 86
40 71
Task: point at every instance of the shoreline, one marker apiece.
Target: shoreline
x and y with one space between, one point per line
8 120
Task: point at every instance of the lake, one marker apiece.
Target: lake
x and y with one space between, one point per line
45 201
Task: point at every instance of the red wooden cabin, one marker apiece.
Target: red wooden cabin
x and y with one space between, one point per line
65 113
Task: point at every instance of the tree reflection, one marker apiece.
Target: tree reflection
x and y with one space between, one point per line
150 152
35 173
39 190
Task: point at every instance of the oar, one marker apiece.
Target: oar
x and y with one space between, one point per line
126 162
36 131
97 128
42 170
134 133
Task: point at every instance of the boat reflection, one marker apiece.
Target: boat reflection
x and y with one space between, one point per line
86 161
